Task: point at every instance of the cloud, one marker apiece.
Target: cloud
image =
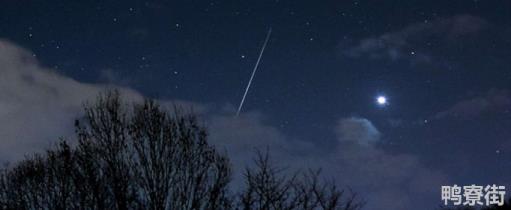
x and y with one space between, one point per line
357 130
37 105
387 178
438 42
492 102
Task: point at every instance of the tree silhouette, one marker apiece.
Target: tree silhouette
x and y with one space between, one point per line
267 189
143 156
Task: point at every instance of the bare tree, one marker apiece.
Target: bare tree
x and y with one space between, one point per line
40 182
175 168
104 133
143 156
149 158
23 185
268 188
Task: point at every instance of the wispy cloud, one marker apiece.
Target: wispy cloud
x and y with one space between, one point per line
492 102
434 43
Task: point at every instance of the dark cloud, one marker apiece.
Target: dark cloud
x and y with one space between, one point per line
494 101
437 43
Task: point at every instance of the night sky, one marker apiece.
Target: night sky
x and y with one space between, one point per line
443 67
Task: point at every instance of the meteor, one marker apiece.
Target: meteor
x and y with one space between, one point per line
254 72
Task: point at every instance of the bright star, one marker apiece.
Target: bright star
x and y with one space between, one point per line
381 100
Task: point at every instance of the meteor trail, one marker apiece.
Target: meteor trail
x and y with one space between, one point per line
254 71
